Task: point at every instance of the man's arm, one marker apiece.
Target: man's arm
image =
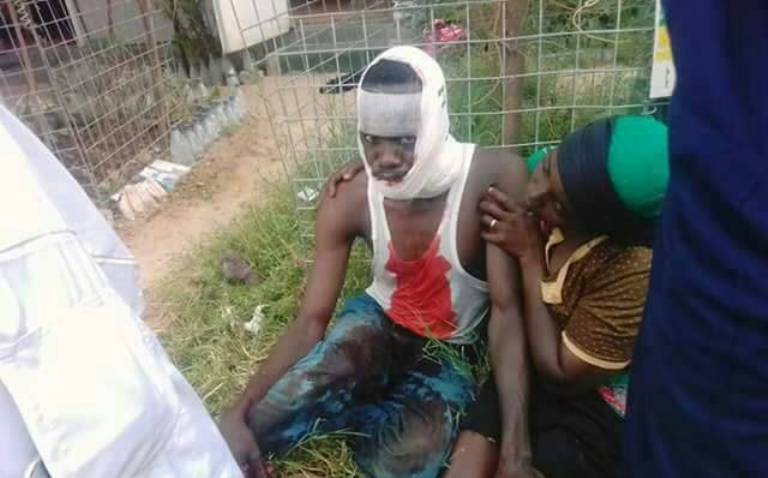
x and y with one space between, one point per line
336 227
337 224
506 336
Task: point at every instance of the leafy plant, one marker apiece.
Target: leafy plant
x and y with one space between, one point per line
193 39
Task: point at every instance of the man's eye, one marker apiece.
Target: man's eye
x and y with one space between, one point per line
368 138
408 140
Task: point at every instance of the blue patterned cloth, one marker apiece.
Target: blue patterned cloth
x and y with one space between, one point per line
399 395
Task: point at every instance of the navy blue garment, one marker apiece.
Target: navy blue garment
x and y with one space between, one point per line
698 400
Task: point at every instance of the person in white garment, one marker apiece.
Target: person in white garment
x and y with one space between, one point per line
86 390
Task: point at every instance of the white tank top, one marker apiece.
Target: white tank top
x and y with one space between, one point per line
432 296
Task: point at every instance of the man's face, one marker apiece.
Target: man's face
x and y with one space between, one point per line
390 159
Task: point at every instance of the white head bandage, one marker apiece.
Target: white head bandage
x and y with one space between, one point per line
389 115
438 157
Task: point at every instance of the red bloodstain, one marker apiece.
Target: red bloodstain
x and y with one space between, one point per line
421 301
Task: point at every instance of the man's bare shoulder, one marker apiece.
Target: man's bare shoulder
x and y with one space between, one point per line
348 209
499 161
349 194
500 168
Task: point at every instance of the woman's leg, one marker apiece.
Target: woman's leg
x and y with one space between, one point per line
318 393
574 437
571 437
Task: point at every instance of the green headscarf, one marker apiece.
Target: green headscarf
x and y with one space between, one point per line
614 171
638 163
537 157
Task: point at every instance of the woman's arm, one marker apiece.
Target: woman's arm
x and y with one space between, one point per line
551 357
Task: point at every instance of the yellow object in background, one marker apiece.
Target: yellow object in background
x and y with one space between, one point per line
663 68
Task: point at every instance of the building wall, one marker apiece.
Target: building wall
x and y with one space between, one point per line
92 20
245 23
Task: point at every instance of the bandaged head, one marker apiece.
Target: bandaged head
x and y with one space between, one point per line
438 158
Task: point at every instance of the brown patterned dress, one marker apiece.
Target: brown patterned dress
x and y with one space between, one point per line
598 297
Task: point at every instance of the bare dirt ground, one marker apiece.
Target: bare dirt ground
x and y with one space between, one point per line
236 171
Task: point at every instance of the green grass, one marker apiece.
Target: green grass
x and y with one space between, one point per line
207 340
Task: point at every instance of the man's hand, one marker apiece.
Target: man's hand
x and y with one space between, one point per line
242 445
510 226
346 173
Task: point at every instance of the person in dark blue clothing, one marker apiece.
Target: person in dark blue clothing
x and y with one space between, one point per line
698 401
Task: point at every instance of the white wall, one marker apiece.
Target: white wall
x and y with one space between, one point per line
244 23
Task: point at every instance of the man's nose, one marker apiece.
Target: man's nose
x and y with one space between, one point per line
389 156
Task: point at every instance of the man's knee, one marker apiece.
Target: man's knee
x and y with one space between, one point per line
352 357
352 350
417 444
362 347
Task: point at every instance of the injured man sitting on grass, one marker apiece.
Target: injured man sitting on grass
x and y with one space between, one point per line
395 369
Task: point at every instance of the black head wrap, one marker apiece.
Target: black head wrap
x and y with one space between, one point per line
583 166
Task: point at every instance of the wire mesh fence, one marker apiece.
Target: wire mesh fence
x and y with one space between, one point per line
91 78
94 78
521 73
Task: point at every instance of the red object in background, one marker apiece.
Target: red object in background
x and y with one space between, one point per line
441 36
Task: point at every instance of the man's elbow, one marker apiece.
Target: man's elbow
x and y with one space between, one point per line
313 326
505 315
505 327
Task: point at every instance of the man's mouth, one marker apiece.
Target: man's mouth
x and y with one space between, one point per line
390 177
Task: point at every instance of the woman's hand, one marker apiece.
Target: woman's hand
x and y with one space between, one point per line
510 225
344 174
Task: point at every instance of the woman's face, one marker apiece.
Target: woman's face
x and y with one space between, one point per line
545 195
